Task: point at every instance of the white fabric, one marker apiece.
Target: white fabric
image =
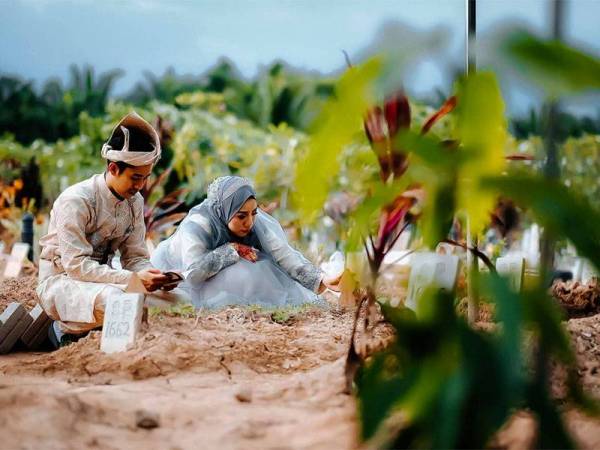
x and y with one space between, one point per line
69 319
126 154
218 277
88 224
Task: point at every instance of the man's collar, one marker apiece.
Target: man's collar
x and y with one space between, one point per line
110 193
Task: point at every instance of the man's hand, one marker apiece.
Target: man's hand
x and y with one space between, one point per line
332 283
248 253
152 279
174 278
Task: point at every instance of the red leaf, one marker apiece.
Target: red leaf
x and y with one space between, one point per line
148 189
447 107
165 222
519 157
391 217
397 113
399 162
374 122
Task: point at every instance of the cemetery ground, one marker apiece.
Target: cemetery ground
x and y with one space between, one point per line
236 378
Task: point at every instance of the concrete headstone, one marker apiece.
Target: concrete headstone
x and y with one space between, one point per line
588 272
430 269
122 320
14 263
512 267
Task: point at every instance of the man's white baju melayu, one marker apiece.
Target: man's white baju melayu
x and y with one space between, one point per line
88 224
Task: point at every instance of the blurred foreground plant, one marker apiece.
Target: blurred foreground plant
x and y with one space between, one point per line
442 384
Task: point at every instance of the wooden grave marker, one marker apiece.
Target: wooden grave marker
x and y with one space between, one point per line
13 323
37 332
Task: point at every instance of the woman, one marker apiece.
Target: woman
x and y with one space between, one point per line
230 253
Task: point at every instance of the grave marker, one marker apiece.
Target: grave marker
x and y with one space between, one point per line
578 266
430 269
9 318
13 323
122 320
588 272
36 333
14 262
512 267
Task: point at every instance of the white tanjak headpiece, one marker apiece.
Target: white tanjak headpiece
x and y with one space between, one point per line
125 154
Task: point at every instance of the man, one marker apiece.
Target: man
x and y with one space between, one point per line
89 222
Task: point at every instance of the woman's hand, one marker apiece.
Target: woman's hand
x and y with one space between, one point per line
246 252
331 283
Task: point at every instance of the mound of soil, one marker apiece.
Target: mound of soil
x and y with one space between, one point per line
208 343
235 378
578 299
18 290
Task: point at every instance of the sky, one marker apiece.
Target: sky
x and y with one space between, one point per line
39 39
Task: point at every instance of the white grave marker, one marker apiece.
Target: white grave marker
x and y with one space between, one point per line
430 269
512 267
578 269
14 263
588 272
122 320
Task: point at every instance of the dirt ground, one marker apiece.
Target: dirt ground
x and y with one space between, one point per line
231 379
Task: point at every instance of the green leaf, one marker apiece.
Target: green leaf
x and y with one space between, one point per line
336 126
429 150
509 310
380 385
556 67
481 130
364 219
552 433
434 167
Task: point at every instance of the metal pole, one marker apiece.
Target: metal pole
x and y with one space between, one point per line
551 138
470 68
471 36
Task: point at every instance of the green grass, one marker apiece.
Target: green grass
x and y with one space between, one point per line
179 310
281 315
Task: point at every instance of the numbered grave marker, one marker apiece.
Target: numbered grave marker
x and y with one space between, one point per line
430 269
122 320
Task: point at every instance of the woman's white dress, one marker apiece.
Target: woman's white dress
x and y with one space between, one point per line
216 276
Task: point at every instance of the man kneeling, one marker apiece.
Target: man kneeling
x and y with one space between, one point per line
89 222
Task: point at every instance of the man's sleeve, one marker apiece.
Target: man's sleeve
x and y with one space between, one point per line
134 252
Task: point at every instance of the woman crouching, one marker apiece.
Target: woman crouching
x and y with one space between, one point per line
232 253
